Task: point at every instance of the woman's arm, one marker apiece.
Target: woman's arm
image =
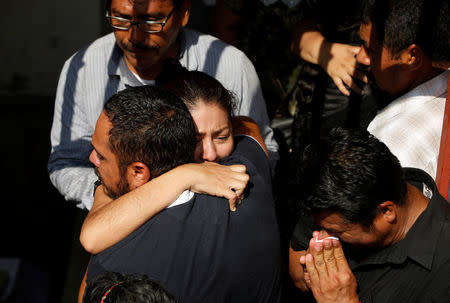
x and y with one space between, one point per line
109 221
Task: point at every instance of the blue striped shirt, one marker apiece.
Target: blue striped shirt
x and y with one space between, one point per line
93 74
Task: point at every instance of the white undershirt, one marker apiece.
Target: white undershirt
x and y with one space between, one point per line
185 196
143 81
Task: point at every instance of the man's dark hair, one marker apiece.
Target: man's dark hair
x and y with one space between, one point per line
150 125
400 23
351 173
176 3
119 288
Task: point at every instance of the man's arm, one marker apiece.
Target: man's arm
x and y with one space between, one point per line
68 165
337 59
296 269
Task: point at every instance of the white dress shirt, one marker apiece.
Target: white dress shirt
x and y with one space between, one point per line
411 125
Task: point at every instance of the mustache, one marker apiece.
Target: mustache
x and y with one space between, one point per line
98 174
136 46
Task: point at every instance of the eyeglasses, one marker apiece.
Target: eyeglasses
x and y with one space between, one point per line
150 27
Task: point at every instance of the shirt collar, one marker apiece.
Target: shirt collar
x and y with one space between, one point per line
118 68
430 89
421 241
185 197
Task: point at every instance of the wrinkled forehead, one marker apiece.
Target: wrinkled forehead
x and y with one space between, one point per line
144 3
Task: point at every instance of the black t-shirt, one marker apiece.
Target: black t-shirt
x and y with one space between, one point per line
415 269
200 251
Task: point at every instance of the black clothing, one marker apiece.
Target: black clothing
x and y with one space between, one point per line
200 251
415 269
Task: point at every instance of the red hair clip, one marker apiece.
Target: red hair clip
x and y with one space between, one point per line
108 291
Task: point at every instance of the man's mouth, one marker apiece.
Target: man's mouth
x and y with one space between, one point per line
137 49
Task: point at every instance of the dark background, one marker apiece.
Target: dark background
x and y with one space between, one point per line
40 229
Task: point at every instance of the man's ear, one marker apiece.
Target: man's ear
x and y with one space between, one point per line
388 210
413 57
137 174
185 10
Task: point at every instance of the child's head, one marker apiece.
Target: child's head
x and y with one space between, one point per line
112 287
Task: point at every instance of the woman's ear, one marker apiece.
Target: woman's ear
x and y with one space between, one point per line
137 174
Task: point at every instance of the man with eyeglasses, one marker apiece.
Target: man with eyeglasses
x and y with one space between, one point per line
145 33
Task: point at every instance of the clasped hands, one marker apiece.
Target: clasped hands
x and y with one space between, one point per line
327 272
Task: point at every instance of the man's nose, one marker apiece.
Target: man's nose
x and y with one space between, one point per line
209 151
136 35
93 157
362 56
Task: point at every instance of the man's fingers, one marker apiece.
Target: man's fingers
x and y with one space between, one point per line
313 276
340 85
360 75
341 261
328 256
354 87
354 50
316 249
350 82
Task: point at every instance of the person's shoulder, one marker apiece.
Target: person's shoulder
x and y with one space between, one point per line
249 152
97 52
210 48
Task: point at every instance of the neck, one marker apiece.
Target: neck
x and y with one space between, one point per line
423 75
415 204
153 71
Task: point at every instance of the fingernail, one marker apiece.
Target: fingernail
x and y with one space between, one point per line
309 258
318 246
327 244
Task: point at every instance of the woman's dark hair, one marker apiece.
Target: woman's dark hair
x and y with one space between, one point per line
112 287
195 86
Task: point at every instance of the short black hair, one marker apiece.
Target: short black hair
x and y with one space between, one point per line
150 125
351 173
176 3
120 288
401 23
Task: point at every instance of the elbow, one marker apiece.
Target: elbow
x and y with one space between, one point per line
89 242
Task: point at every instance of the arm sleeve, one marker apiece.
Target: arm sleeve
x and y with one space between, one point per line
302 233
68 166
253 105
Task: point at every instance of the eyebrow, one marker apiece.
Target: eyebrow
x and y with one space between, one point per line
217 132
